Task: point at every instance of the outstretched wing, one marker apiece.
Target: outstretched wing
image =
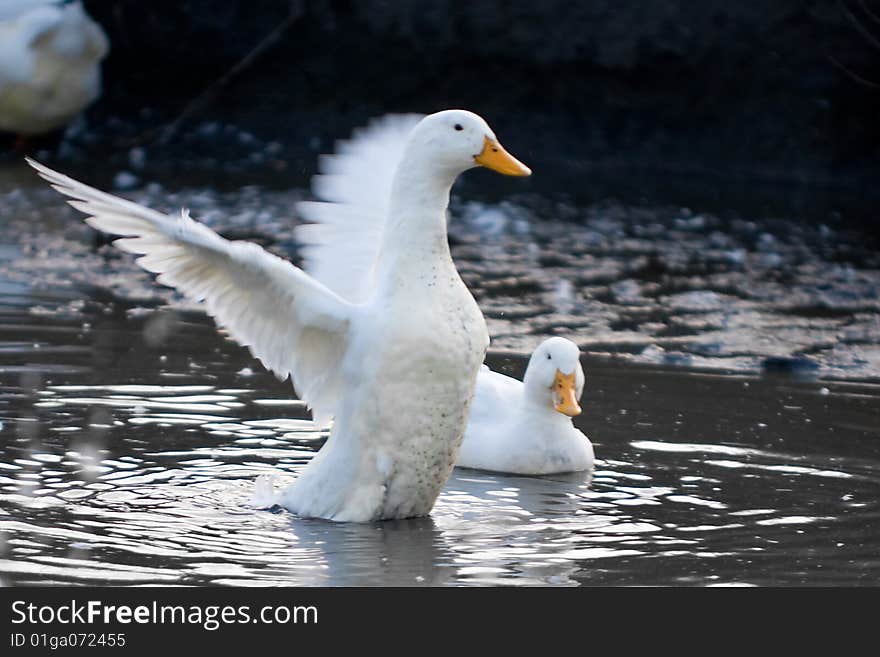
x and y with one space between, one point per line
292 323
341 244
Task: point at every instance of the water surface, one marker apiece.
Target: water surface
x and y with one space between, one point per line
126 461
732 397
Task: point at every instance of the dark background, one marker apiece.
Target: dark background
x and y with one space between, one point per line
676 101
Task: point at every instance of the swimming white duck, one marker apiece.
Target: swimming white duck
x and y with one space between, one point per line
395 369
50 54
525 427
511 429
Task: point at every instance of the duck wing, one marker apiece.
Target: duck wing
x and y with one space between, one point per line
291 322
495 396
341 244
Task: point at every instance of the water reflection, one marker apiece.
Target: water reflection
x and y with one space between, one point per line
129 460
134 483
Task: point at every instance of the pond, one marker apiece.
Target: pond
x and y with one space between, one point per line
733 381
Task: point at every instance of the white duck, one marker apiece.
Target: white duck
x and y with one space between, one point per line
511 429
395 369
50 54
525 427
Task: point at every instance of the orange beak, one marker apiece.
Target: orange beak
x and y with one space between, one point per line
493 156
564 395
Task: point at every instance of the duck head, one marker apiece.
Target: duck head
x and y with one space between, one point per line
555 377
457 140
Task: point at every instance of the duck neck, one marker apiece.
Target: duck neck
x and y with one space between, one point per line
416 228
538 397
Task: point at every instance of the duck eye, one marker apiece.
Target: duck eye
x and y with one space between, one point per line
548 356
458 126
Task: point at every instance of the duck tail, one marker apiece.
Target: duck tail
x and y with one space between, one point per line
264 495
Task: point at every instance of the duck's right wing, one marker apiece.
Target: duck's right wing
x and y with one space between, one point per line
341 244
292 323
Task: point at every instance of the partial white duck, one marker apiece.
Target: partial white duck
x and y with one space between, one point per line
525 427
395 370
50 54
340 249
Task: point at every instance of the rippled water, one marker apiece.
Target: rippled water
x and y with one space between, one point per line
131 433
128 461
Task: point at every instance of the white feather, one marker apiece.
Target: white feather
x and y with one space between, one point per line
341 244
264 495
513 425
293 324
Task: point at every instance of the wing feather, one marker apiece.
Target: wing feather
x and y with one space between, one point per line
341 244
295 325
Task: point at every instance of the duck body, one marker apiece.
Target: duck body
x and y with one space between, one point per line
507 433
516 427
393 447
393 360
420 339
50 54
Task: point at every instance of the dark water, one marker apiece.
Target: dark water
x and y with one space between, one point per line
132 432
127 463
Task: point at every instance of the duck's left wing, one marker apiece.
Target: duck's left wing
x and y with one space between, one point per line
291 322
